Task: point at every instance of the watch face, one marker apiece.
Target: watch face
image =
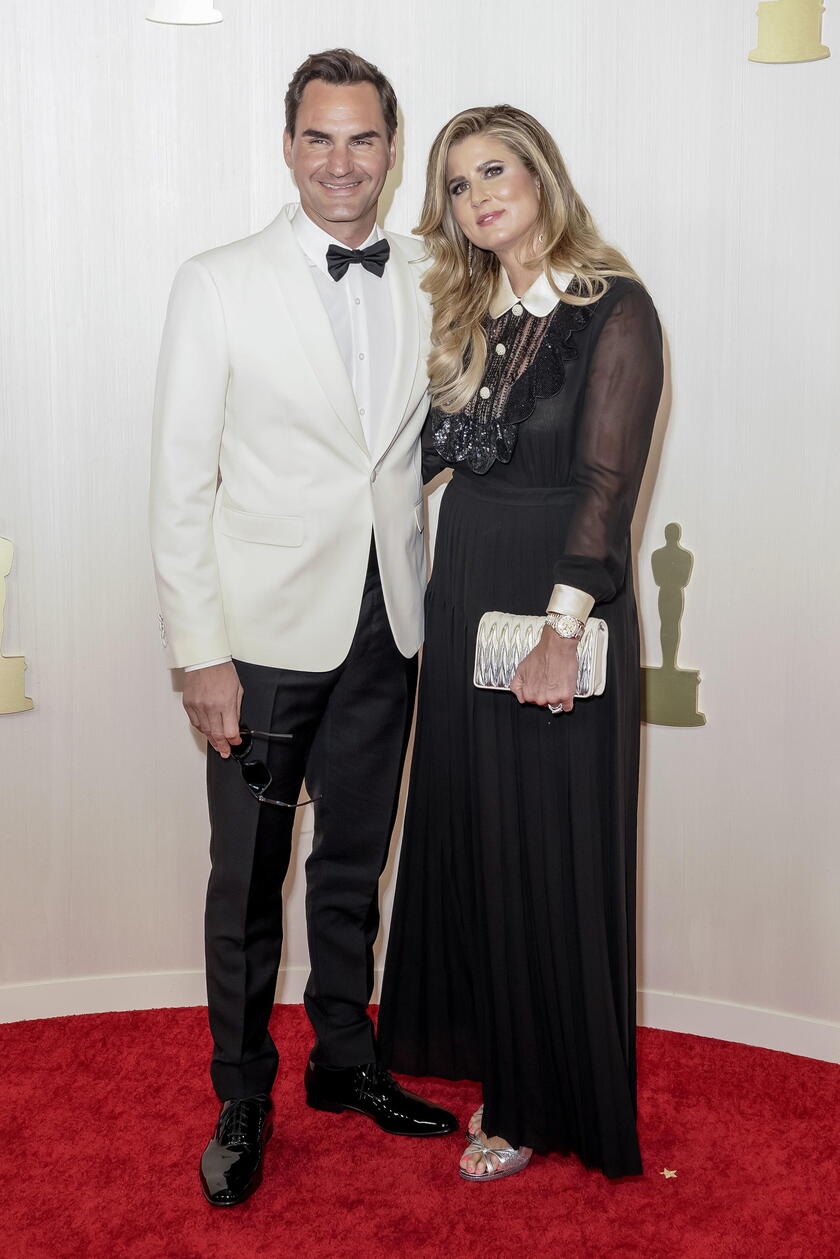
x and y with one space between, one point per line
566 626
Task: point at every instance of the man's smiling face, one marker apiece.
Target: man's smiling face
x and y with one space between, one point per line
340 156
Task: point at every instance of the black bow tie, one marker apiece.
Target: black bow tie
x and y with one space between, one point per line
372 259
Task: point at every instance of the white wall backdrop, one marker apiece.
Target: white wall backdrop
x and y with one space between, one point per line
126 147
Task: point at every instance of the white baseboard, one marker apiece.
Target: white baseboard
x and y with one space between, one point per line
98 994
152 990
721 1020
744 1024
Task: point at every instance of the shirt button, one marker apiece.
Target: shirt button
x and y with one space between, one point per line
484 392
517 309
358 301
361 410
361 356
501 349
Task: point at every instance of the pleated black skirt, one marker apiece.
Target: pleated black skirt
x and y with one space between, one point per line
511 956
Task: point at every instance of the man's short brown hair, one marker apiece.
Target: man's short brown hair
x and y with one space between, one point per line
340 66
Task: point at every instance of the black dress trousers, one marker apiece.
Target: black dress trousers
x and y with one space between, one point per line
350 728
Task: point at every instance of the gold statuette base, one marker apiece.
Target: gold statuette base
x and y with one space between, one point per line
669 697
13 697
789 31
785 58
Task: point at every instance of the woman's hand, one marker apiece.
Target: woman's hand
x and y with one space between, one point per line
548 674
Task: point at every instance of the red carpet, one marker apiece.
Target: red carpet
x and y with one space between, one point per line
104 1117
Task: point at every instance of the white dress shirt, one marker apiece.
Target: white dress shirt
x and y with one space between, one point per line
360 311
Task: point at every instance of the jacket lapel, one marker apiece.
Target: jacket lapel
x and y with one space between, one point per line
310 321
406 345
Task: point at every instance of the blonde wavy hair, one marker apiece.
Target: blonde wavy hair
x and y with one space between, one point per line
461 278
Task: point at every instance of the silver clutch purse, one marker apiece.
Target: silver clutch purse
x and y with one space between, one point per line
505 639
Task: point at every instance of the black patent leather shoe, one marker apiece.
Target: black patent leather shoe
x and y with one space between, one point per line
372 1091
231 1165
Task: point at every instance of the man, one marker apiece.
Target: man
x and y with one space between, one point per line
292 377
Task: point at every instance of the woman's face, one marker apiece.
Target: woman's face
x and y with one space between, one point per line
495 198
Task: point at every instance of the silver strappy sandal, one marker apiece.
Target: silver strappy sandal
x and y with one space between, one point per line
510 1162
479 1115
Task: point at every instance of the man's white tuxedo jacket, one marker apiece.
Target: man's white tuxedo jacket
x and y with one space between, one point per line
264 493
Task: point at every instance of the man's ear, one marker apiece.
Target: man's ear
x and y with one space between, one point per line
287 148
392 152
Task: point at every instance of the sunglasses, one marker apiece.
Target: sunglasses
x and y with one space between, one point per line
256 773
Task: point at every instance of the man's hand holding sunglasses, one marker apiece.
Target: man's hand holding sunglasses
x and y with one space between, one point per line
212 699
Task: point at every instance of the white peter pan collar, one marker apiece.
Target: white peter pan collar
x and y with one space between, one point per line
315 242
539 300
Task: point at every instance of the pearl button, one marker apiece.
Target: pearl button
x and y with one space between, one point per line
517 309
484 392
501 349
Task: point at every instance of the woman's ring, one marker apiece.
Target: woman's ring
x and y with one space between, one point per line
555 708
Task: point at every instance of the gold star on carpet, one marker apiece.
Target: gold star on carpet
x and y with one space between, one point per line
668 1173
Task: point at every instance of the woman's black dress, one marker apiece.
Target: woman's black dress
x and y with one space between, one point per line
512 950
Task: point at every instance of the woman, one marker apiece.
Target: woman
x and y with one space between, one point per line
511 957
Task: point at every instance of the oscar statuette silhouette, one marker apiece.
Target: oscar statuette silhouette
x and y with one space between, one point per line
669 693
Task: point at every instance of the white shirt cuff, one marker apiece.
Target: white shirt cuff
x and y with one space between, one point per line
570 601
190 668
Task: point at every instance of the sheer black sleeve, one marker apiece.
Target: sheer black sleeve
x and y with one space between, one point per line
432 461
623 388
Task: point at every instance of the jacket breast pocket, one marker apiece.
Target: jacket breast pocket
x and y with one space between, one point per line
247 526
